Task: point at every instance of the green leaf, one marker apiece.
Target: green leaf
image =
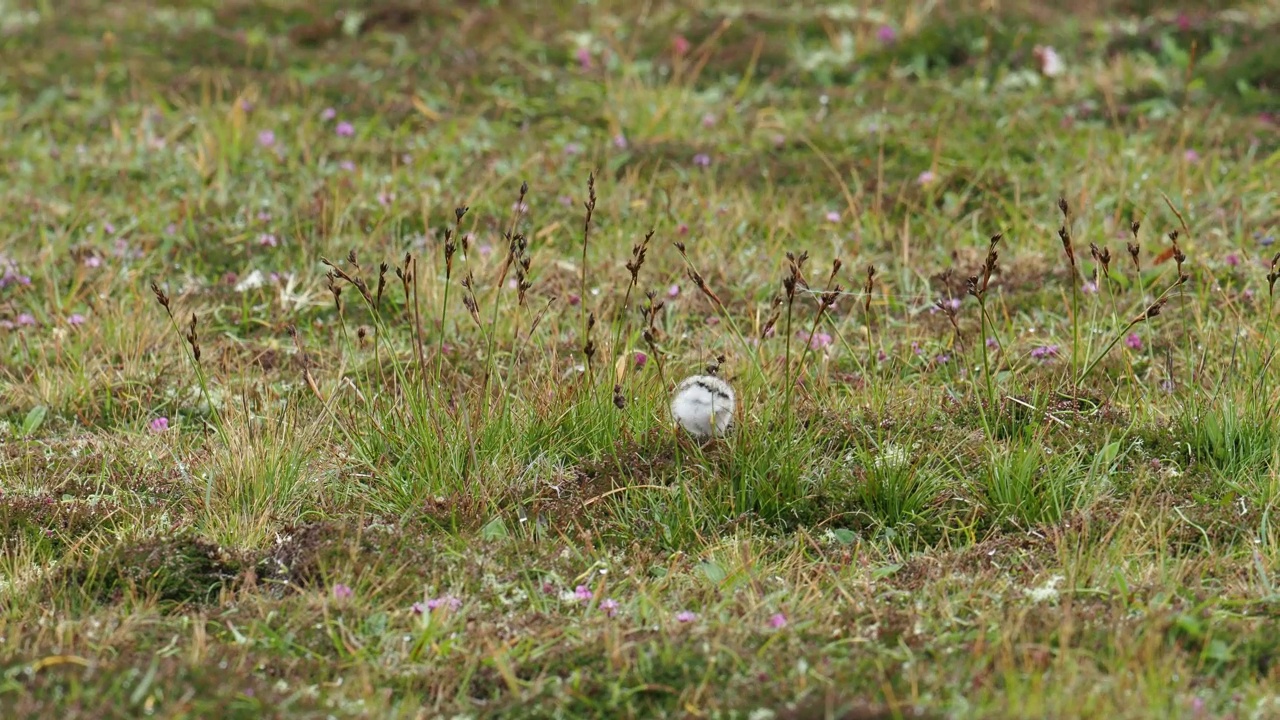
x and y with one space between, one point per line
1219 651
714 572
844 536
883 572
34 418
495 529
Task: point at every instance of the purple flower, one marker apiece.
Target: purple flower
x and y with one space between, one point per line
171 229
582 592
953 303
641 359
881 355
418 608
942 359
574 299
75 319
342 592
915 348
111 229
263 215
1233 259
347 165
778 621
1044 352
92 261
26 320
702 160
833 216
268 240
686 616
609 606
1089 287
328 114
584 58
246 106
992 343
1267 240
886 34
817 341
1166 385
485 250
682 229
926 177
620 141
11 274
708 120
345 129
673 291
680 45
572 149
266 138
385 198
122 249
1191 156
160 424
448 601
1133 341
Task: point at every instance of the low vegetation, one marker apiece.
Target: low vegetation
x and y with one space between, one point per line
338 350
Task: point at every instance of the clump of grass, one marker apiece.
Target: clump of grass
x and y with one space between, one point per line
258 480
896 489
1026 486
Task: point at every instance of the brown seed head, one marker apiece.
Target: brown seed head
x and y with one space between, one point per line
194 338
1152 311
161 297
867 288
382 283
1065 236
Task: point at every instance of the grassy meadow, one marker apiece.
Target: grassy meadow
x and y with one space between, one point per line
337 342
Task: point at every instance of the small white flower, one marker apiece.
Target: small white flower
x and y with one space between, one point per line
703 405
891 457
1051 64
1045 593
252 281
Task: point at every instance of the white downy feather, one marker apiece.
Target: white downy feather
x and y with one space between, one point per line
703 405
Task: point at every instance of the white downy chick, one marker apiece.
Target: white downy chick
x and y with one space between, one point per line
703 405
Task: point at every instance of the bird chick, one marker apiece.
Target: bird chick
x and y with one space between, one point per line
703 405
